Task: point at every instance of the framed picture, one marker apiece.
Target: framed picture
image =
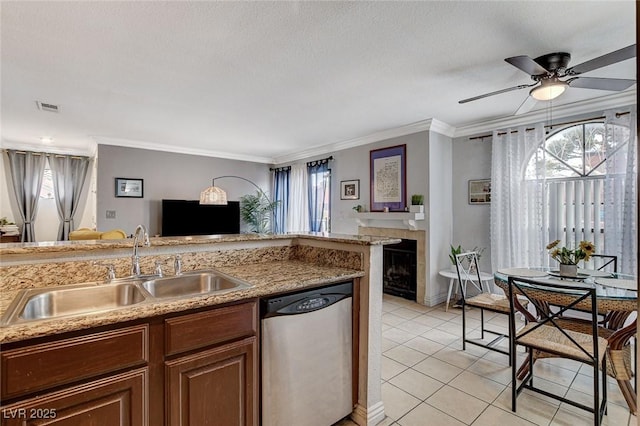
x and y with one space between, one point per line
480 191
388 174
350 189
126 187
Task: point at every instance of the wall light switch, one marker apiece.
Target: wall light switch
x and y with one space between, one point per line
111 214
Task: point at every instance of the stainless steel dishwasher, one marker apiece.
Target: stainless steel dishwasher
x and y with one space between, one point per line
307 357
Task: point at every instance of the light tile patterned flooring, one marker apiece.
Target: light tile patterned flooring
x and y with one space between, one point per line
428 380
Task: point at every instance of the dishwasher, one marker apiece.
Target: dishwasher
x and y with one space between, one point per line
307 357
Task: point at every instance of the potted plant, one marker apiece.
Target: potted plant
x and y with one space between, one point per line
256 210
452 256
569 257
8 227
417 201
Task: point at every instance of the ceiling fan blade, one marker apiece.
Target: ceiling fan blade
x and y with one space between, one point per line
527 65
526 106
604 60
616 84
497 92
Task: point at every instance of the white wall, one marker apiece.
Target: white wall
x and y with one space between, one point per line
439 208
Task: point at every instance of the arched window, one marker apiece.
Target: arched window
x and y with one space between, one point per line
574 165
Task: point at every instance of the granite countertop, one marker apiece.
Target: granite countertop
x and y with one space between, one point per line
89 245
267 279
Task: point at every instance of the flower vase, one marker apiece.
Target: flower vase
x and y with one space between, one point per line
568 270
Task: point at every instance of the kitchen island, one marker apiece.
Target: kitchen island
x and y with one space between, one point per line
271 264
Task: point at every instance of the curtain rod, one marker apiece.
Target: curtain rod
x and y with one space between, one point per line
317 162
584 120
279 169
46 154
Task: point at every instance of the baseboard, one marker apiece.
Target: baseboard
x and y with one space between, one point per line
370 417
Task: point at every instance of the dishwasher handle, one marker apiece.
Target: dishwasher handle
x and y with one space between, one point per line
308 304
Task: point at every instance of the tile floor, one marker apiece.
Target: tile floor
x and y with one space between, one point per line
428 380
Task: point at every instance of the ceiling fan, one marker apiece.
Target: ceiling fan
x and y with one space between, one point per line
547 70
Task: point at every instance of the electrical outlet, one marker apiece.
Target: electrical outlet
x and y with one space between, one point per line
111 214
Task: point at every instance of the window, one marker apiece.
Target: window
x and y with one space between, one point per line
573 163
319 200
46 190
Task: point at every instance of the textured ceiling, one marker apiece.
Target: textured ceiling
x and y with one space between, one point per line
264 80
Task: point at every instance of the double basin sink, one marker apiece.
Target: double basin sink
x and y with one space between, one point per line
79 299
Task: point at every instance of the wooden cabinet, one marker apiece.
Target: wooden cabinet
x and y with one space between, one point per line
42 366
186 369
9 238
119 400
216 387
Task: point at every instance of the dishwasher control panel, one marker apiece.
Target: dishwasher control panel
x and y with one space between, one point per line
307 301
311 304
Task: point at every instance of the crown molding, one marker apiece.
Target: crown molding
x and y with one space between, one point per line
181 150
442 127
430 124
582 107
87 151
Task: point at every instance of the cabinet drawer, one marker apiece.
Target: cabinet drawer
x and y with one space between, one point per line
207 328
119 400
37 367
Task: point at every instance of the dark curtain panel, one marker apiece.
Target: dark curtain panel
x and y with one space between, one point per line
281 194
317 193
27 169
69 174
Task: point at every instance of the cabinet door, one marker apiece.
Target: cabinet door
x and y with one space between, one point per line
119 400
214 387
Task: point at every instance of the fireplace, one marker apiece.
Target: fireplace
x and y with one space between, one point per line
399 271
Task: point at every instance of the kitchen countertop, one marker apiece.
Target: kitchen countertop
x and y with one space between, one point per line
90 245
267 278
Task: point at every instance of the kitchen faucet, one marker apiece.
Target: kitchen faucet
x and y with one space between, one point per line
140 236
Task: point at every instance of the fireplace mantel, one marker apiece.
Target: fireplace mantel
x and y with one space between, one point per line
408 219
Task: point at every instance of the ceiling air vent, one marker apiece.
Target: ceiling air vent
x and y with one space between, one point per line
47 107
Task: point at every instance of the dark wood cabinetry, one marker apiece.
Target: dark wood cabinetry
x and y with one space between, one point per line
190 369
218 384
215 387
42 366
119 400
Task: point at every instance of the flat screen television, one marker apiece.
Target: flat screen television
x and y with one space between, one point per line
189 217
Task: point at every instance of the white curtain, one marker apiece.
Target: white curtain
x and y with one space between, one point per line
620 192
517 205
298 212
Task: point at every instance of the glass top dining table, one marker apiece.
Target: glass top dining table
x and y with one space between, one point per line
616 291
617 296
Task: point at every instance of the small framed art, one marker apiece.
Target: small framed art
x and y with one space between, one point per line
480 191
350 189
131 188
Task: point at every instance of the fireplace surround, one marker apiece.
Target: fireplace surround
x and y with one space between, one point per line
406 234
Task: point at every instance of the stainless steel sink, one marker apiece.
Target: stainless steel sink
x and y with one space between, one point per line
193 283
86 298
35 304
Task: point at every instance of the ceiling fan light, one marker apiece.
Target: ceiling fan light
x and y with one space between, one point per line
549 89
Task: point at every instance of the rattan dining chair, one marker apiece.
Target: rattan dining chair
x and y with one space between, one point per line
469 277
544 332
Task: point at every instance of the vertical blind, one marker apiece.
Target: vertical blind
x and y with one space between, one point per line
576 212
